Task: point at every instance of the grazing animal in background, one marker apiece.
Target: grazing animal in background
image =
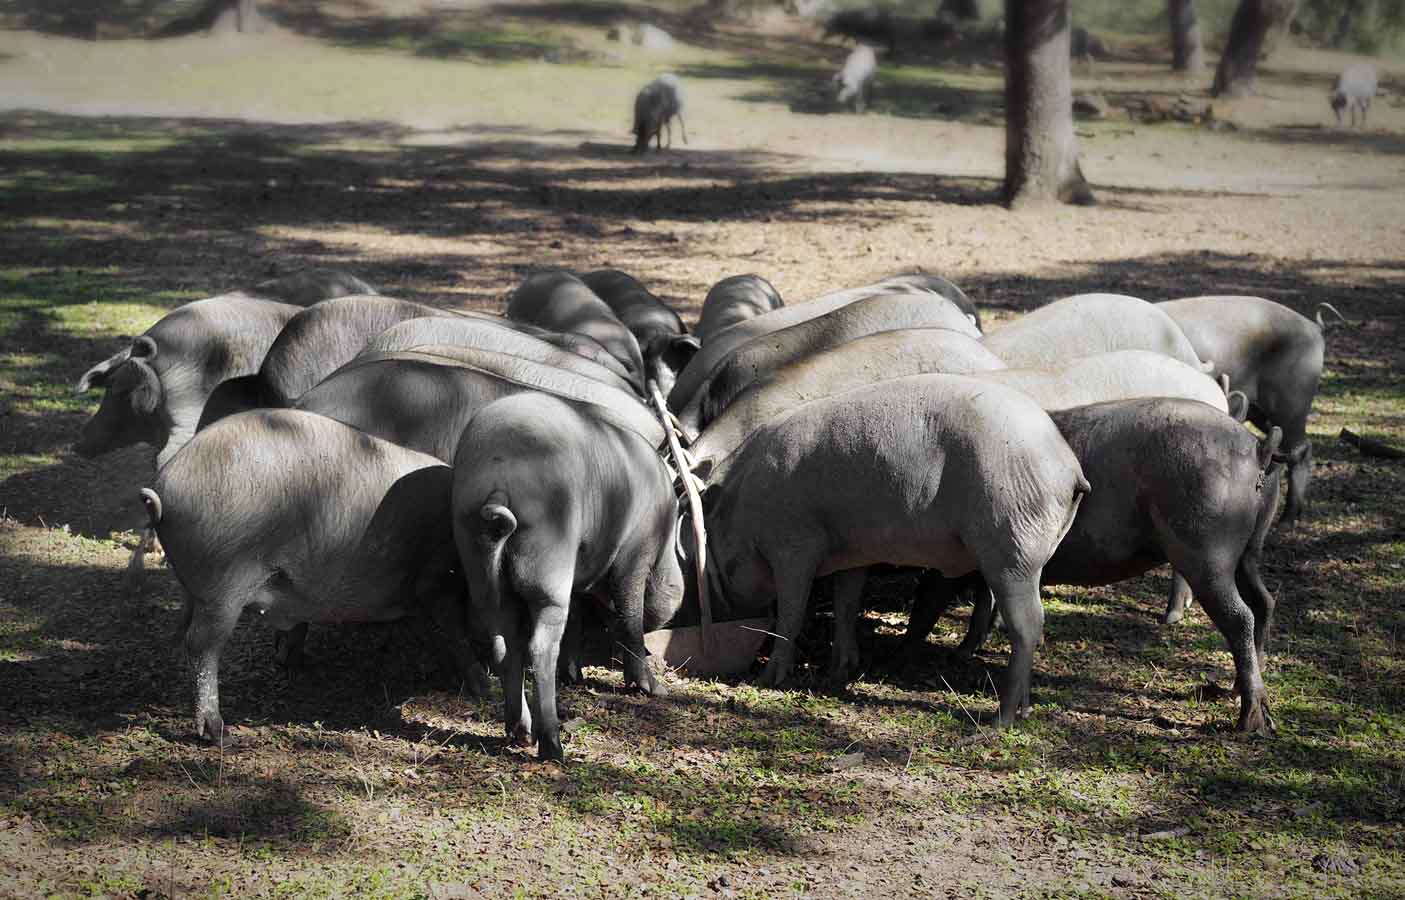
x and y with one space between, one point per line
655 106
549 500
1273 356
871 24
1354 90
854 82
304 519
734 299
1173 481
1084 46
940 471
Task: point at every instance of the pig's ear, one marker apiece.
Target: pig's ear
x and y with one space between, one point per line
679 351
96 377
1238 405
143 347
146 392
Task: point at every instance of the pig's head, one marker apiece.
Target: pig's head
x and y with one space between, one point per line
665 355
130 412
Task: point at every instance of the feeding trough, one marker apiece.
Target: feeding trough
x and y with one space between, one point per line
731 649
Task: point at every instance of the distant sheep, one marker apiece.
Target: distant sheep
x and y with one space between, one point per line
657 103
854 82
1354 89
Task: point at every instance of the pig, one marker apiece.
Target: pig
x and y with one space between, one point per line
976 478
663 339
734 299
424 397
1086 324
560 301
720 344
878 357
260 511
157 388
904 307
1273 356
656 105
320 338
308 286
939 285
549 500
854 81
503 336
1174 481
1354 90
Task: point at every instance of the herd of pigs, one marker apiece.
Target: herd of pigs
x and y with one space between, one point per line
328 454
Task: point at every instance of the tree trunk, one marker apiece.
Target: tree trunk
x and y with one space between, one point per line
1187 51
1041 151
1252 19
248 17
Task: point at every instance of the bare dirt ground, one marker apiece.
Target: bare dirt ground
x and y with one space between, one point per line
443 162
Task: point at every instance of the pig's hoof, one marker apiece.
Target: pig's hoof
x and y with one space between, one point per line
519 736
477 682
774 675
569 672
1255 719
549 748
648 684
1172 616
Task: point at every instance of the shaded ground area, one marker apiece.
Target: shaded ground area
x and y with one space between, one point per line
370 774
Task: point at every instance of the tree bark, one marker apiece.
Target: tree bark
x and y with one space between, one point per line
1041 151
1234 77
248 17
1187 51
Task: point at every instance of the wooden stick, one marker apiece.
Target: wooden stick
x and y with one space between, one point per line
1369 446
695 508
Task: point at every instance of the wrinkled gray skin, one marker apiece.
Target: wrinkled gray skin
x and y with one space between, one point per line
977 477
720 344
423 398
734 299
1086 324
157 388
258 512
853 83
663 338
878 357
1274 357
308 286
762 356
548 501
1173 481
501 336
939 285
560 301
656 105
1120 375
323 337
1354 91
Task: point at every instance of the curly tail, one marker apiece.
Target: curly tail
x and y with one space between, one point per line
499 524
1324 325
